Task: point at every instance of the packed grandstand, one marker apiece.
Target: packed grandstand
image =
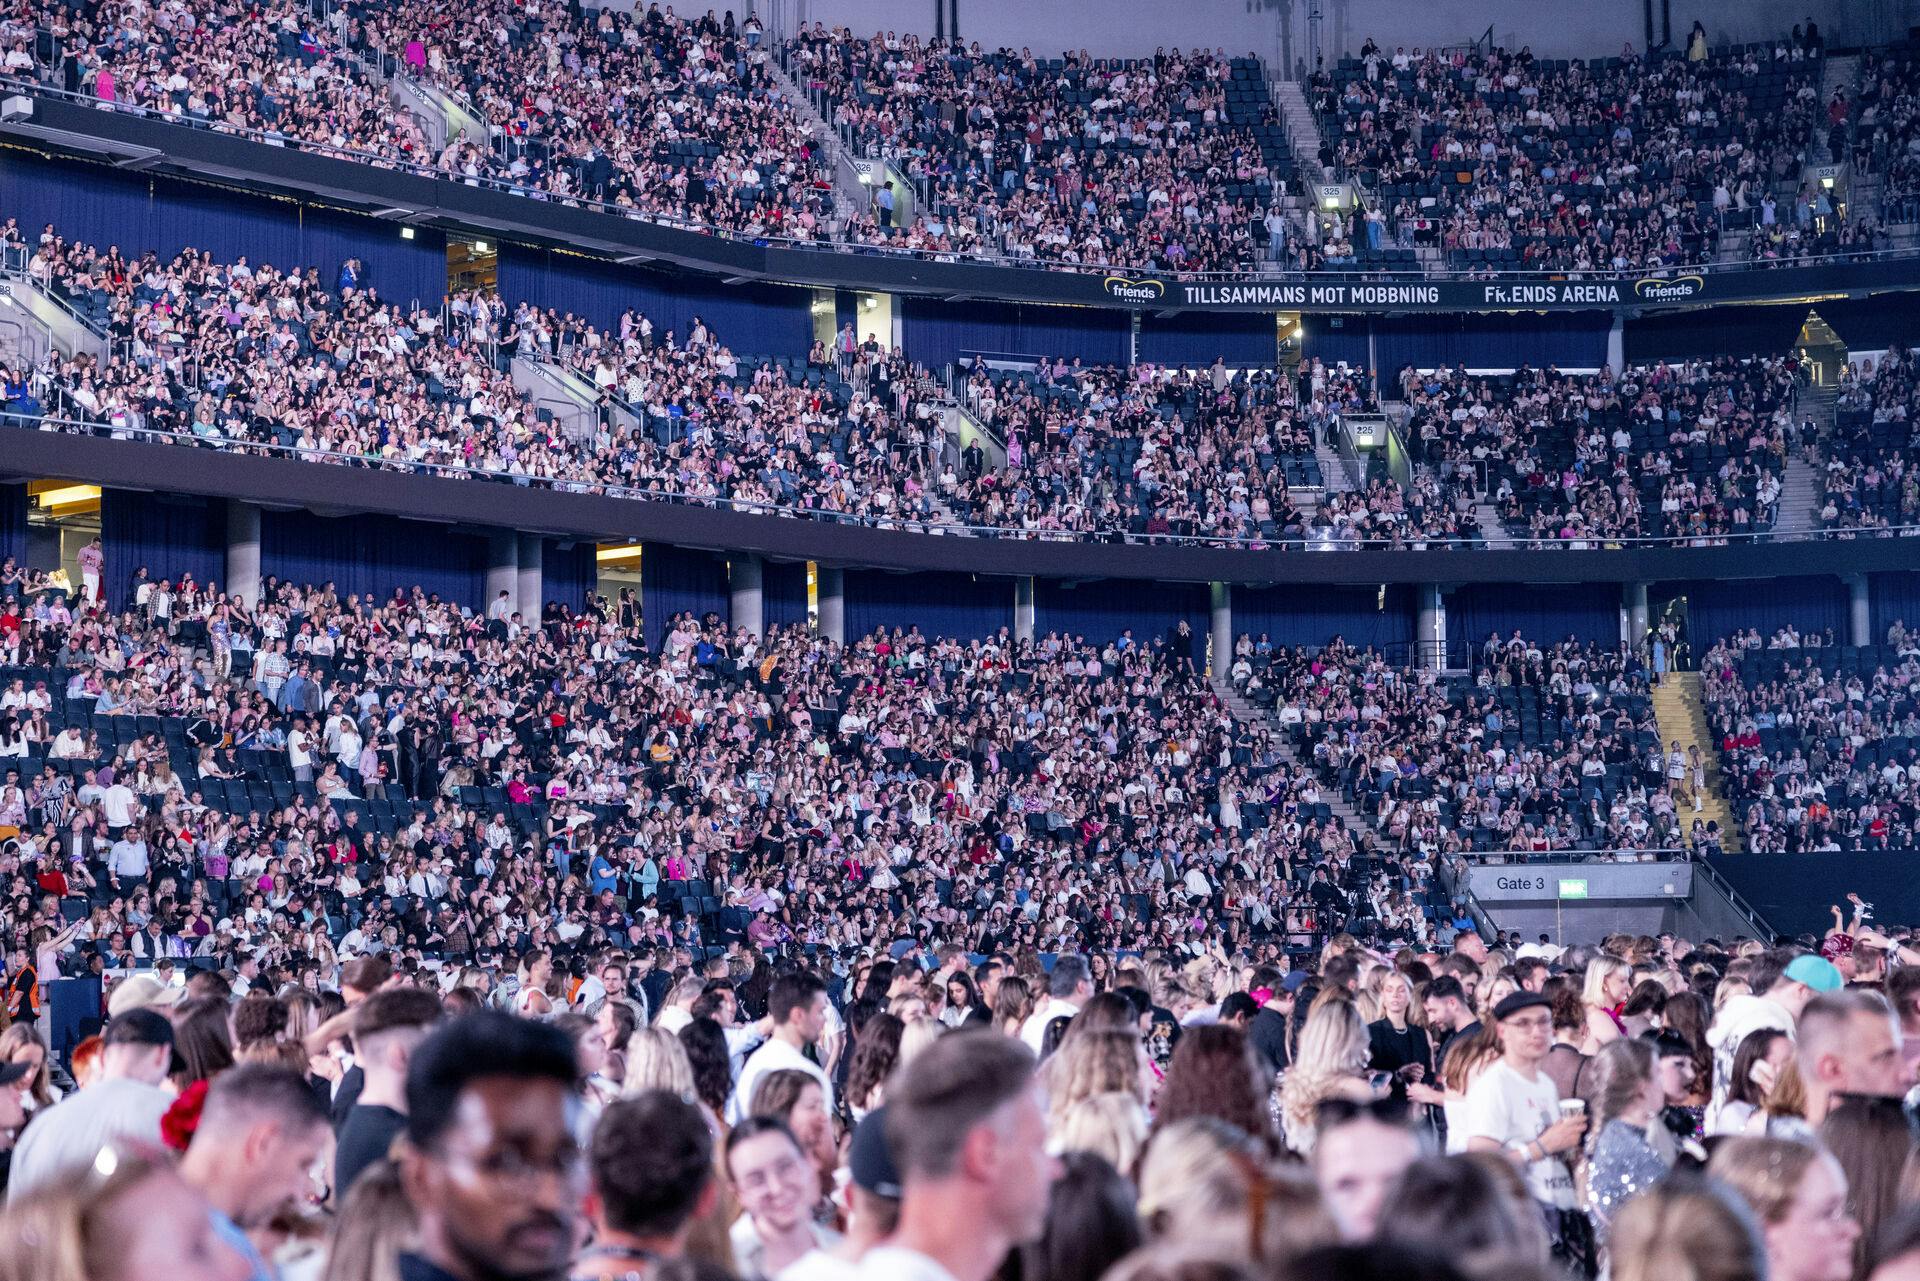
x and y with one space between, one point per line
639 644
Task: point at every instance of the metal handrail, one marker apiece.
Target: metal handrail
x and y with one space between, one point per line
950 529
829 244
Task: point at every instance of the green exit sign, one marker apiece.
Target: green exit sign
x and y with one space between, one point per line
1573 889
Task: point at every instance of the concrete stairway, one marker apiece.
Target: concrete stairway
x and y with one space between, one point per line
1248 714
850 197
1334 465
1490 527
1841 72
1800 494
1682 714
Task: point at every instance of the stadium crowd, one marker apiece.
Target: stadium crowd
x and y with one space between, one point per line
1135 163
1449 1107
1543 747
1870 482
1693 450
243 354
1823 741
1508 161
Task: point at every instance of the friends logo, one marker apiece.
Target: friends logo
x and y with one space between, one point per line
1135 290
1669 288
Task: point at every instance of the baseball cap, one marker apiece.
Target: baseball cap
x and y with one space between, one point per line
12 1073
1816 972
1514 1002
140 992
140 1026
869 1160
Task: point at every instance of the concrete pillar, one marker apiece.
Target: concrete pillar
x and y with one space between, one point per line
503 567
1023 613
530 580
1617 344
1430 628
1859 611
243 551
1633 600
1220 656
830 596
745 573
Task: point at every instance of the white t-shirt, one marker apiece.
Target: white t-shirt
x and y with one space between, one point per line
297 749
771 1057
1506 1107
72 1132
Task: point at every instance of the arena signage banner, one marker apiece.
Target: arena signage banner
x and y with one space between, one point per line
1588 882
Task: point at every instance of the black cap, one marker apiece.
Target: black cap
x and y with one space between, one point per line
870 1160
139 1026
1514 1002
11 1073
1670 1045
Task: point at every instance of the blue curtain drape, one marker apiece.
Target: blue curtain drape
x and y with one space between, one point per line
372 556
169 536
1717 608
13 523
1334 339
568 574
1765 331
937 333
103 207
783 589
958 606
1099 611
1575 341
1191 338
1312 616
675 580
1895 598
753 320
1545 612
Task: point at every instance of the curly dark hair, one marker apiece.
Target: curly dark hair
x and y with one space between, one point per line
705 1042
874 1055
1215 1072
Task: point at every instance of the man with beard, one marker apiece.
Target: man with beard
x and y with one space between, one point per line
491 1163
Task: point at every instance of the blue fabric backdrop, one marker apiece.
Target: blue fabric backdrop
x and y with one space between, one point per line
783 589
568 575
674 580
753 320
1895 597
170 536
138 213
13 523
1101 610
937 333
959 606
1312 616
1542 611
373 555
1577 340
1716 608
1334 339
1190 338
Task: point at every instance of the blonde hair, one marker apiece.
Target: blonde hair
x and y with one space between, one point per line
1203 1180
917 1036
1333 1046
1767 1173
1111 1124
1599 970
1089 1064
64 1231
1685 1230
656 1060
375 1224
